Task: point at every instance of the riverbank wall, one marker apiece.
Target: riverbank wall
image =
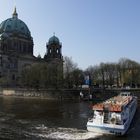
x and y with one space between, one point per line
52 94
65 94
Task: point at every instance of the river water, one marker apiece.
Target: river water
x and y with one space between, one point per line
41 119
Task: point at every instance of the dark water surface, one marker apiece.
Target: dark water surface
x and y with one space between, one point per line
41 119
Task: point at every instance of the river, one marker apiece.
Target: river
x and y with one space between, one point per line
41 119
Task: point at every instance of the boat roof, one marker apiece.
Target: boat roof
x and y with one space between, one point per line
113 104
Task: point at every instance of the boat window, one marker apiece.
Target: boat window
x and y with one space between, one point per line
125 93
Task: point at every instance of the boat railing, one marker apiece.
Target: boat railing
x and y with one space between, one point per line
90 120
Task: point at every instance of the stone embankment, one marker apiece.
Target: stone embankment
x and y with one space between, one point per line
48 94
97 95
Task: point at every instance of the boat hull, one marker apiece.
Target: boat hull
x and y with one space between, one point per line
113 129
105 130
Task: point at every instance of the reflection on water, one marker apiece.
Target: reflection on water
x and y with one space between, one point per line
40 119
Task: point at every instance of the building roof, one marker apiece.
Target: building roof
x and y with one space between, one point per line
53 39
14 26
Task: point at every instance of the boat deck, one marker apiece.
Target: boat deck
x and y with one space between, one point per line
113 104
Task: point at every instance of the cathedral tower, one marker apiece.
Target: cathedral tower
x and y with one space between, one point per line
54 49
54 61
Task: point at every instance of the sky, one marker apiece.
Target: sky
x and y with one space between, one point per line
91 31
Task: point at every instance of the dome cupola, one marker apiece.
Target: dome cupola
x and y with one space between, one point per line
53 40
15 36
15 26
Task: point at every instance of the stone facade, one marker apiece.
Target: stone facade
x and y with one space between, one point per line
16 51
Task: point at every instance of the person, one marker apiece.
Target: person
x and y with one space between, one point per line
81 95
90 96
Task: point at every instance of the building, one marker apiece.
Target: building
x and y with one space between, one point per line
54 60
16 51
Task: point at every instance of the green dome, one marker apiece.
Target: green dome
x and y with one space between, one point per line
53 39
14 26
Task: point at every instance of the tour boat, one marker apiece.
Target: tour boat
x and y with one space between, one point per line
114 115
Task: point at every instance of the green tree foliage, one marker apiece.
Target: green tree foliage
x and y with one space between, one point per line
31 76
42 76
69 67
125 72
77 77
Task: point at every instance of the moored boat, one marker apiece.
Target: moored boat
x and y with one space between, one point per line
113 116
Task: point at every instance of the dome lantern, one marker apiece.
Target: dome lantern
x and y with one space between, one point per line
15 15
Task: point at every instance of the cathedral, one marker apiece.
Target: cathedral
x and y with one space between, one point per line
16 51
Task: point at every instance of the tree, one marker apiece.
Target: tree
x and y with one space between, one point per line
77 77
129 71
44 75
31 76
69 67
